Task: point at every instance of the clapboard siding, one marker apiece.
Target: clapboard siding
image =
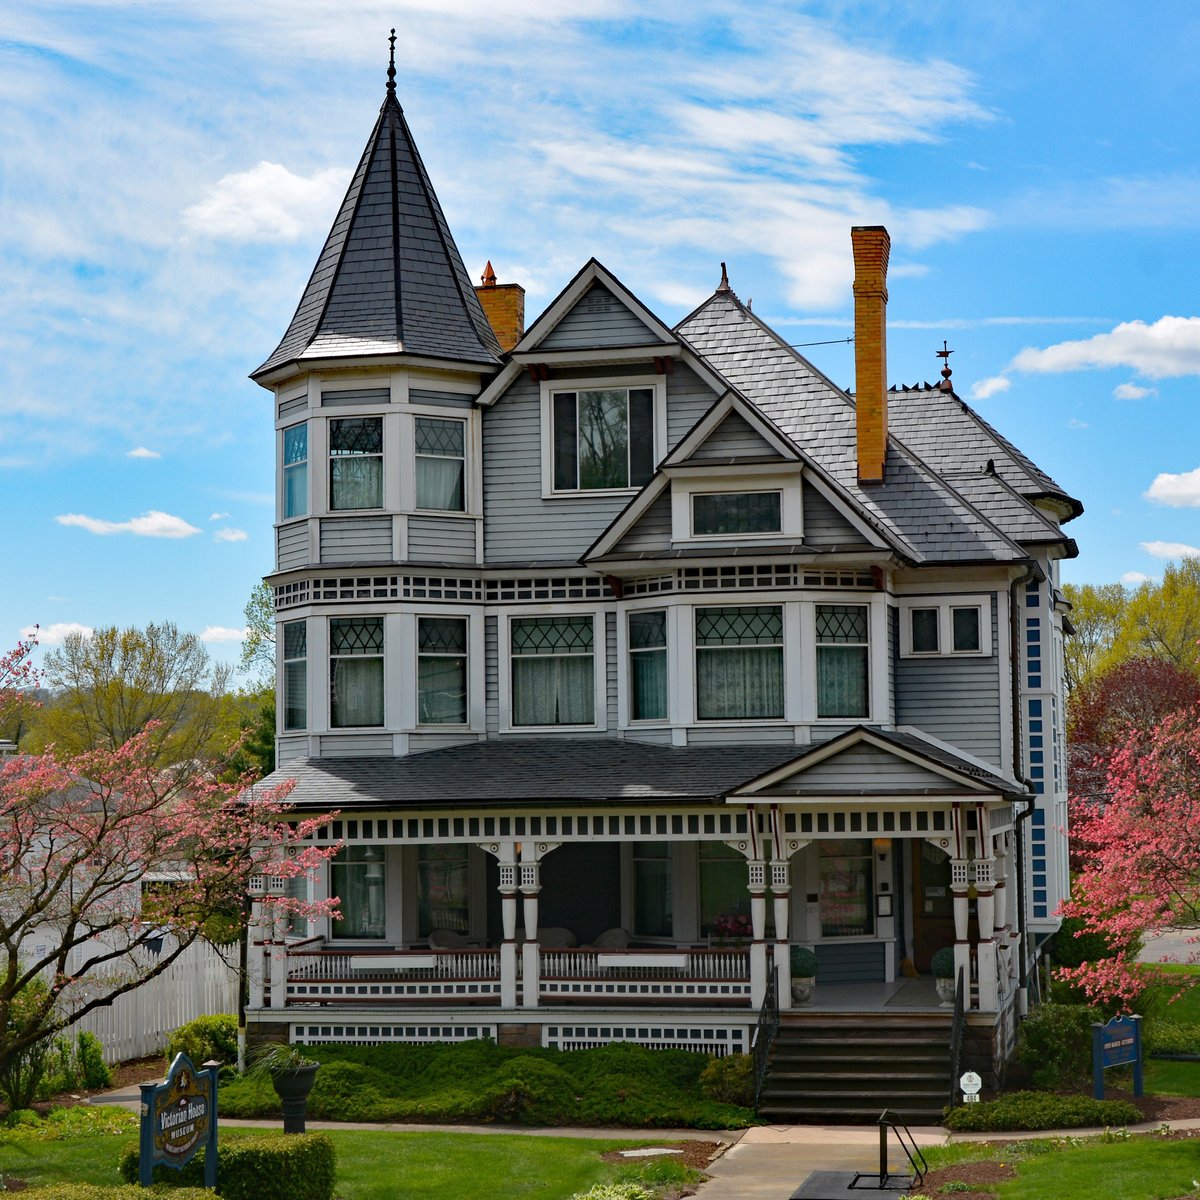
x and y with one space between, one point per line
863 768
658 736
355 745
955 699
688 399
289 749
653 530
441 539
709 735
346 396
491 673
294 405
734 438
441 399
356 539
824 525
610 670
418 743
850 962
598 319
291 546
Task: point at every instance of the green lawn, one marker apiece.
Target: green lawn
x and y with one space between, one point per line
1163 1077
377 1165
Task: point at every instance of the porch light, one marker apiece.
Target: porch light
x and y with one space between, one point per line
882 845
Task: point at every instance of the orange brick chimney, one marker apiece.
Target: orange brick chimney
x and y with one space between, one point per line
504 307
871 248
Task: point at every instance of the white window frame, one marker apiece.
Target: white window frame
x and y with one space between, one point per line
726 600
599 667
424 413
657 385
625 660
434 726
878 706
754 477
329 660
282 685
284 468
331 458
945 606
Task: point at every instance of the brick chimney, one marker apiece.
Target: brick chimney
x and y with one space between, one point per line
504 307
871 248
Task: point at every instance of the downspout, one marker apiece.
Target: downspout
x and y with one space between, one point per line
1014 655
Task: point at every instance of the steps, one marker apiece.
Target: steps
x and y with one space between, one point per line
846 1068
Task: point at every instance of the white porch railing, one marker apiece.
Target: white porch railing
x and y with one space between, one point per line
705 976
319 975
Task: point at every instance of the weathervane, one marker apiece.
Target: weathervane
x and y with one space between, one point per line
391 84
944 354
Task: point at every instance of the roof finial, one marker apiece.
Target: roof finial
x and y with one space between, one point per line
391 83
488 278
723 286
944 354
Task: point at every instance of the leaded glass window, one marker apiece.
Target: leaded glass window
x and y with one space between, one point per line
356 463
720 514
739 663
295 675
603 438
295 471
442 670
846 905
355 671
842 660
357 878
648 666
441 463
553 671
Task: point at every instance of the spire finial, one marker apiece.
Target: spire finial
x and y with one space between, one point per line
944 354
723 286
488 278
391 73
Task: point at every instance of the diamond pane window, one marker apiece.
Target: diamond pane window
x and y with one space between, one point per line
355 671
295 471
648 666
739 663
441 464
720 514
842 660
603 438
925 630
295 675
553 671
965 629
442 670
356 463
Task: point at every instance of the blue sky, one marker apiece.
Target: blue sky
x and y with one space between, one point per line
168 173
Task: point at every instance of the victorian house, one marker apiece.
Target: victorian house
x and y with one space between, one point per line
633 656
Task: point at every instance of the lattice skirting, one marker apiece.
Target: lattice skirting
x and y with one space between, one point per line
716 1039
655 989
309 993
369 1034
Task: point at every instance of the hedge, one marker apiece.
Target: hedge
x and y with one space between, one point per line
205 1038
1040 1110
104 1191
272 1166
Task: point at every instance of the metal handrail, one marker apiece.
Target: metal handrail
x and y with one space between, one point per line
957 1028
764 1035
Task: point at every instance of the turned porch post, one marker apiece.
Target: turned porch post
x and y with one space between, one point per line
506 857
960 882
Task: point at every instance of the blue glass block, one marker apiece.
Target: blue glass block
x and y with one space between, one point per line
1034 635
1035 727
1037 772
1035 681
1039 788
1037 756
1039 897
1039 816
1039 910
1040 880
1036 740
1035 708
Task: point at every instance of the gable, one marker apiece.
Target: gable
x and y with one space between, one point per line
826 525
652 531
598 318
863 768
734 438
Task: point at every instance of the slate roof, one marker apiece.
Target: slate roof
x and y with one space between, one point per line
1003 506
921 513
389 279
558 770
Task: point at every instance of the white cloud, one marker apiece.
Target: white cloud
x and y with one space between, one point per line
142 452
1076 423
218 516
230 535
1171 549
1170 347
1176 491
267 203
222 633
149 524
1133 391
1133 578
984 389
56 634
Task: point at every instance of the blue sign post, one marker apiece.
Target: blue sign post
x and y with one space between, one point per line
1116 1044
179 1116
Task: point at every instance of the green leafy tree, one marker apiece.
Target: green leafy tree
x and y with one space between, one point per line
1162 620
258 648
1098 615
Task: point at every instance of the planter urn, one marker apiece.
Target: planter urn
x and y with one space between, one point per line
945 990
292 1087
802 989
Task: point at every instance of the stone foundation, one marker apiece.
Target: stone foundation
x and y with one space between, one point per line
519 1035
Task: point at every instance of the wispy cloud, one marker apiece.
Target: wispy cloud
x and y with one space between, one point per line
218 516
142 452
984 389
1133 391
1176 491
1168 347
230 535
56 634
222 633
1171 549
1076 423
150 524
1133 578
267 203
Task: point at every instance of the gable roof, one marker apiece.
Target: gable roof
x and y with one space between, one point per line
389 279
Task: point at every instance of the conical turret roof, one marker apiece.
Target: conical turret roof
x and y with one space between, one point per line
390 279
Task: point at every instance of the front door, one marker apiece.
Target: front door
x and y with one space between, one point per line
933 904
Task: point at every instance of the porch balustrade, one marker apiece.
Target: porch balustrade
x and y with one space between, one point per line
696 976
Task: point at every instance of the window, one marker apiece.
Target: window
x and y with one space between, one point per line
295 471
724 893
553 669
441 464
739 663
925 631
602 438
356 463
355 671
652 908
648 666
842 660
964 623
357 879
442 670
442 889
958 625
846 890
295 675
721 514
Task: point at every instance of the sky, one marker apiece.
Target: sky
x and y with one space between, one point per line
169 171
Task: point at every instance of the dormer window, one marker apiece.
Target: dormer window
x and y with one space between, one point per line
727 514
602 438
356 463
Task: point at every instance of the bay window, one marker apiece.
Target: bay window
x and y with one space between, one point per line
295 471
440 464
553 671
648 666
356 463
842 660
295 675
739 663
355 671
602 438
442 670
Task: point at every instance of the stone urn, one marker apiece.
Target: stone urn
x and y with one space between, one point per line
945 991
804 974
802 989
292 1086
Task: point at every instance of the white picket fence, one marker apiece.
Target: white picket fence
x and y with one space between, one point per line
202 980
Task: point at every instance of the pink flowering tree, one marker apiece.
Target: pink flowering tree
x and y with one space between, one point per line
1140 852
77 838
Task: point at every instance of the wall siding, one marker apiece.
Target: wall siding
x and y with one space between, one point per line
441 539
295 405
863 768
441 399
348 396
710 735
824 525
850 962
356 745
356 539
734 438
491 674
289 749
418 743
653 530
598 319
688 399
291 546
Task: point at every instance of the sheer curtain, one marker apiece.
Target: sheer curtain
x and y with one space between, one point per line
553 691
440 484
743 682
357 878
358 691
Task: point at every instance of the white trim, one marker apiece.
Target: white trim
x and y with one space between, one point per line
786 483
470 617
725 404
944 606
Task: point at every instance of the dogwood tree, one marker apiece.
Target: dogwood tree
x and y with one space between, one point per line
1140 852
78 838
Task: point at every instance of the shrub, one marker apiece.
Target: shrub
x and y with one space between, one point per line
93 1070
942 963
98 1191
1055 1044
614 1191
1162 1036
21 1079
804 963
1075 943
210 1037
729 1080
1039 1110
274 1166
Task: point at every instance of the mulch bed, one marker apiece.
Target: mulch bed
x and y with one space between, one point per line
981 1177
124 1075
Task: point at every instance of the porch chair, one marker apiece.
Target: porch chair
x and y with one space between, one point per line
612 939
446 939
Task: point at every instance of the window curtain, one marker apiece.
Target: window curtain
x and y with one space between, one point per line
553 691
648 670
357 878
440 484
357 692
295 695
356 482
841 681
724 892
295 471
846 888
739 683
442 690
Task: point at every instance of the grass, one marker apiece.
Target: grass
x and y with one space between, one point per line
1162 1077
379 1165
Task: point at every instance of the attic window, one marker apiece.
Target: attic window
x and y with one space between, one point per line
725 514
603 438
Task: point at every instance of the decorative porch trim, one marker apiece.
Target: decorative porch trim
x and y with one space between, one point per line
717 1040
366 1035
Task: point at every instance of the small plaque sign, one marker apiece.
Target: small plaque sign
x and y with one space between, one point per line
179 1116
1117 1044
971 1085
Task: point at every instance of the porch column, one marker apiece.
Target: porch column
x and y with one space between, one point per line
505 853
531 885
1004 957
984 891
277 965
757 871
960 883
254 934
781 889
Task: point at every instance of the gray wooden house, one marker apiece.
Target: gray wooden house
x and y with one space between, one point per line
633 656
